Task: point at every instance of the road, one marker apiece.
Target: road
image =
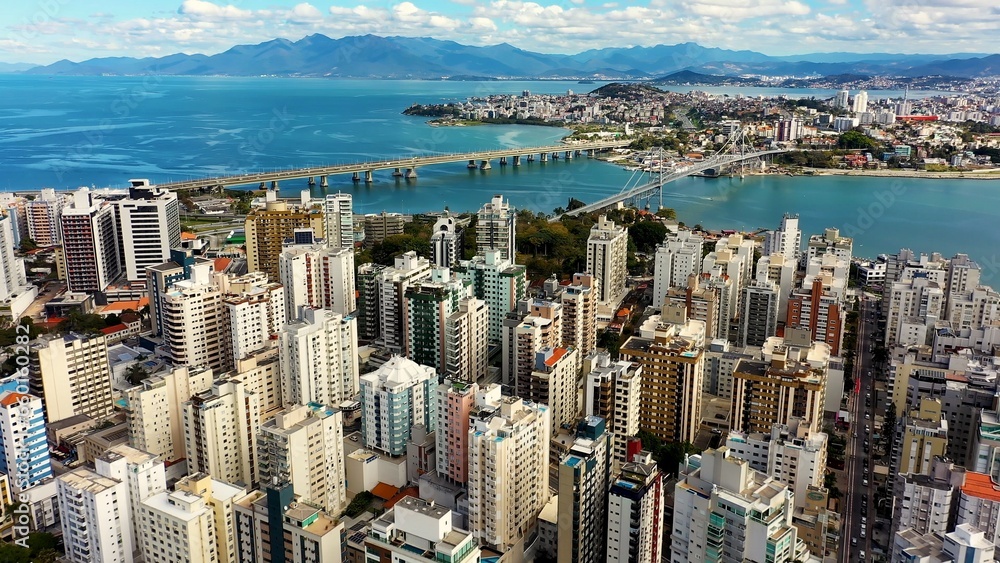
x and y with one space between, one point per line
858 515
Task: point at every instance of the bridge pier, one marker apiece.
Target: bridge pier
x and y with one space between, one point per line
274 185
485 165
356 177
531 158
262 186
323 182
577 152
555 156
411 173
472 164
396 173
312 181
517 160
569 155
368 176
544 157
503 161
590 153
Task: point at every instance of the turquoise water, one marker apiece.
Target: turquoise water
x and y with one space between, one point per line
65 132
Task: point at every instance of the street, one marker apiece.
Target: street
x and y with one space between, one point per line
858 515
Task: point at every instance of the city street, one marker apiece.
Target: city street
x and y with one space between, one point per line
858 514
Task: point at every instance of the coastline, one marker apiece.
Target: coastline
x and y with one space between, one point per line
971 175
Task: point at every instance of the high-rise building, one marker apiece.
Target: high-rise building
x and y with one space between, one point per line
220 430
842 100
635 512
149 226
984 453
790 381
780 270
579 302
192 524
428 304
72 373
418 531
394 397
759 318
91 252
925 502
820 310
264 519
161 276
304 445
155 413
193 320
318 276
447 240
508 454
524 336
553 382
16 294
369 301
719 508
143 474
607 254
94 513
380 226
24 449
267 230
338 217
584 478
830 242
465 349
703 302
254 314
676 259
42 215
924 436
319 358
860 104
613 391
392 284
496 228
789 130
979 504
670 350
790 453
499 282
454 402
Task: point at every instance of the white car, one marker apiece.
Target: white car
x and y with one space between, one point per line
862 533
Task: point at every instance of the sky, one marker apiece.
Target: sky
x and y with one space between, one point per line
44 31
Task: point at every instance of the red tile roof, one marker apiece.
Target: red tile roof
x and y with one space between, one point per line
385 491
556 354
980 485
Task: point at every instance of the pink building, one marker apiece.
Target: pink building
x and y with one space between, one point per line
455 402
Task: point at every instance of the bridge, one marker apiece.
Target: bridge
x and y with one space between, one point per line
734 151
405 167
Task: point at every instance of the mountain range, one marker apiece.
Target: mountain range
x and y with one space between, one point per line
372 56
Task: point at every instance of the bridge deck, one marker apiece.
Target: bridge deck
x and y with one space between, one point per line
411 162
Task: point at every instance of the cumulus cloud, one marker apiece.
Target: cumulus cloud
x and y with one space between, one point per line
208 10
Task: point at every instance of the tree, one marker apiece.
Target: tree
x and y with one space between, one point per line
855 139
647 235
135 374
28 244
85 323
574 204
385 252
667 213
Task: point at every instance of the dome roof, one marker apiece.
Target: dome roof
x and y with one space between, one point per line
402 371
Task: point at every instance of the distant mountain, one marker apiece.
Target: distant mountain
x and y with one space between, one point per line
683 77
372 56
15 67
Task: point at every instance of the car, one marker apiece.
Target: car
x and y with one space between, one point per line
863 532
861 554
855 435
864 482
854 541
864 521
868 416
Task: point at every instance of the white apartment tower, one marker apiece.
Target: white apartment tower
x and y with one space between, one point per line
508 441
718 505
446 242
495 228
90 243
394 398
465 348
220 429
72 373
42 215
579 303
193 320
607 255
24 449
318 276
142 472
338 217
392 284
677 258
499 282
319 358
304 445
612 391
860 102
635 512
13 280
255 317
149 226
95 517
584 478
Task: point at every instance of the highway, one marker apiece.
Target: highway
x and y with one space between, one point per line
401 162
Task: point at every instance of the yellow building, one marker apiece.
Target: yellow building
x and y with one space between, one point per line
267 230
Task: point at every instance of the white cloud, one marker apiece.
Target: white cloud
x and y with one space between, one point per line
305 12
208 10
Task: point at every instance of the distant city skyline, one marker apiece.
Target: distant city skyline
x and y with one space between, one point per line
44 32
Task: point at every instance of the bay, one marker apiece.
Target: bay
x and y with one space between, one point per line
65 132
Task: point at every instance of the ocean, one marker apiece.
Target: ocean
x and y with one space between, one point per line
65 132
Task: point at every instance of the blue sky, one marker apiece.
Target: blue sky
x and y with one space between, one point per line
43 31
